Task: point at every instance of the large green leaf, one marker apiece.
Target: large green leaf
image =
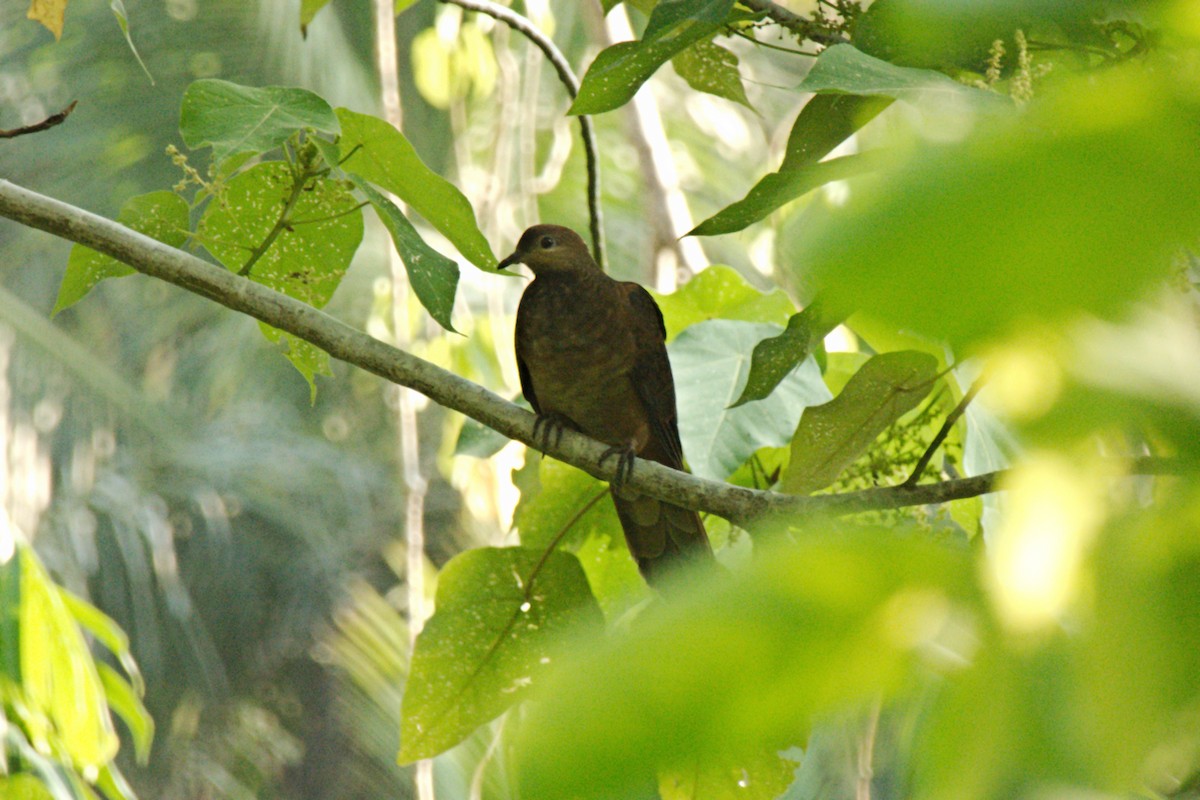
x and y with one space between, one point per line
236 119
620 70
160 215
846 70
831 436
1072 207
708 67
826 121
775 358
380 154
740 667
711 362
719 292
501 613
433 277
307 258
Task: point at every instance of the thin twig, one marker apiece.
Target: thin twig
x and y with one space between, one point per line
299 179
760 43
46 124
571 82
951 418
793 22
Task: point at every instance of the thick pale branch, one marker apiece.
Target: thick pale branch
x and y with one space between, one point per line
341 341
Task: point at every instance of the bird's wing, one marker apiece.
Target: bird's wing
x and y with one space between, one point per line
522 368
651 374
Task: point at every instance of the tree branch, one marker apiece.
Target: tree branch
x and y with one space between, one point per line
565 74
795 23
735 503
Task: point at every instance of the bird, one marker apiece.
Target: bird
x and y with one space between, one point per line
592 356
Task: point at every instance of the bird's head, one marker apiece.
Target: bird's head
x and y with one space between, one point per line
550 248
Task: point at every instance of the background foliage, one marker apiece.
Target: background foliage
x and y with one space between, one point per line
974 189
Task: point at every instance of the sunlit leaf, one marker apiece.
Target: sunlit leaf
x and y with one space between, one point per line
160 215
23 786
432 276
308 10
126 704
380 154
831 436
619 70
711 362
236 119
501 613
719 292
762 776
50 13
847 70
708 67
826 121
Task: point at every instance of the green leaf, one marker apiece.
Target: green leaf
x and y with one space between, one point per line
23 786
831 436
118 10
432 276
760 776
843 69
619 71
236 119
478 440
500 615
160 215
779 188
123 700
708 67
308 10
380 154
775 358
307 258
826 121
719 292
711 362
743 665
1069 209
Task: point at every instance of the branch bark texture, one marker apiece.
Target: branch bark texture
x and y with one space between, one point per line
740 505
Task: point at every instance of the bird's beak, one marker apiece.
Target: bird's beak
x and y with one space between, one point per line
515 258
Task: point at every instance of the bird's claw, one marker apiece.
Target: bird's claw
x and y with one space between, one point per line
550 426
625 456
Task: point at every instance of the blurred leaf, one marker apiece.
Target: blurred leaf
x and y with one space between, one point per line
23 786
10 619
775 358
308 257
1069 209
380 154
308 10
160 215
108 633
478 440
846 70
719 292
500 613
708 67
743 666
118 9
826 121
780 188
831 436
50 13
243 119
66 703
126 703
433 277
561 492
711 362
620 70
764 776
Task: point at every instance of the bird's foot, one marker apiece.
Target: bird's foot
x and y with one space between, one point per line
625 455
549 427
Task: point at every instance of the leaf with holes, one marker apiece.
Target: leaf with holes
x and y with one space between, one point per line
775 358
433 277
708 67
500 615
236 119
160 215
308 256
832 435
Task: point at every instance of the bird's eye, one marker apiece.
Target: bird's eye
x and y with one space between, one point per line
547 242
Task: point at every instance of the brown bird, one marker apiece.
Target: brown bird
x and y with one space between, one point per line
592 356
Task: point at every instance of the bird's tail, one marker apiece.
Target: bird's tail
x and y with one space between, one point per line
661 537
